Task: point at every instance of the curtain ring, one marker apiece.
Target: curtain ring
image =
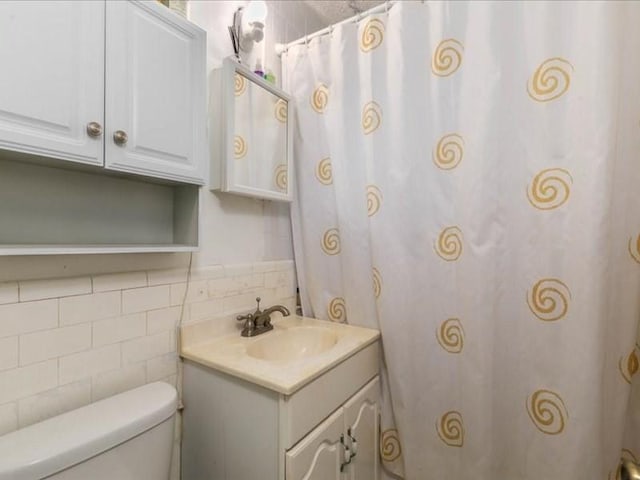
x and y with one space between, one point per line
306 40
386 6
331 30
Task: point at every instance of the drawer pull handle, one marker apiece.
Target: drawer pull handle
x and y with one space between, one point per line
354 444
346 454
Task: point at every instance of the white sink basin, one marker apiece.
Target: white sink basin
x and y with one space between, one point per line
292 344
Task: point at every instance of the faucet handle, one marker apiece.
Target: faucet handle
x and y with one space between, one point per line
249 324
258 311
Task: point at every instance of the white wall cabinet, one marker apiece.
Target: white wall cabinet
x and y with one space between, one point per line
119 84
234 429
52 81
103 121
155 93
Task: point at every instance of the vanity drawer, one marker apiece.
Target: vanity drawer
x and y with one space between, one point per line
314 402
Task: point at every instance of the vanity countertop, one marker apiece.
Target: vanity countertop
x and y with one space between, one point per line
231 353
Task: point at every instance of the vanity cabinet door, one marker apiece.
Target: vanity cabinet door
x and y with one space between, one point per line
361 421
320 454
155 97
52 81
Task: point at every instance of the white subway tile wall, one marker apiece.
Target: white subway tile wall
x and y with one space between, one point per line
53 288
8 293
65 343
8 418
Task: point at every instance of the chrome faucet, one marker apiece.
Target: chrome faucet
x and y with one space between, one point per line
260 321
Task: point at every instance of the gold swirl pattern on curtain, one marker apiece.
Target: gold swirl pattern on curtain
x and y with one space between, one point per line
371 117
331 242
390 447
547 411
628 365
320 98
626 454
239 147
447 57
450 429
634 248
450 335
280 177
551 80
372 35
549 299
449 244
323 171
550 188
280 111
374 199
239 84
377 282
337 310
449 151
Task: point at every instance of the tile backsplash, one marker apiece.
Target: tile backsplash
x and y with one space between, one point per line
68 342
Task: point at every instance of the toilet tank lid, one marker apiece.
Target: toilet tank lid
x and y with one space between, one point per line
50 446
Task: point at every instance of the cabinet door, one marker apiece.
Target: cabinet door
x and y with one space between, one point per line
319 455
361 421
52 81
155 92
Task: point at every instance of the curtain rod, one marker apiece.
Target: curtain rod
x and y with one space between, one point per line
383 7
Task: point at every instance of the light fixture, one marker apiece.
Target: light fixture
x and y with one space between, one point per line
248 26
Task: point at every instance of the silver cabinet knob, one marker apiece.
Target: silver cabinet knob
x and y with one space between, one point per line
94 129
120 137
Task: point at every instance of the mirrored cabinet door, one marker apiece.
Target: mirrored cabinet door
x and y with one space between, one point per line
251 135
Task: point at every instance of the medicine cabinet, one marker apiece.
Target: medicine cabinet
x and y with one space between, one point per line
251 144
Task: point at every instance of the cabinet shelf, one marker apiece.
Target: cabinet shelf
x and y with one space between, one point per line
15 250
46 210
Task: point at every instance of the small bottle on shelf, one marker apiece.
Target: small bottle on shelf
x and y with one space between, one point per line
270 77
258 70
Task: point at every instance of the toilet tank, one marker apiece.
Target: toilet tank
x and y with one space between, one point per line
126 437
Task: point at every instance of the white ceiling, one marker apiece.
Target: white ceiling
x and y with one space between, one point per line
333 11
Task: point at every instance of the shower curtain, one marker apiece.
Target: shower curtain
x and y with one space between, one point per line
468 182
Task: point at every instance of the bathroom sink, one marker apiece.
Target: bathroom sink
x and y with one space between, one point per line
295 352
292 344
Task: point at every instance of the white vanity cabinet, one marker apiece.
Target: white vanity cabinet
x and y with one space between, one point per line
345 446
114 84
325 430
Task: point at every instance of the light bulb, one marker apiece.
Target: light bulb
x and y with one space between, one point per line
255 11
